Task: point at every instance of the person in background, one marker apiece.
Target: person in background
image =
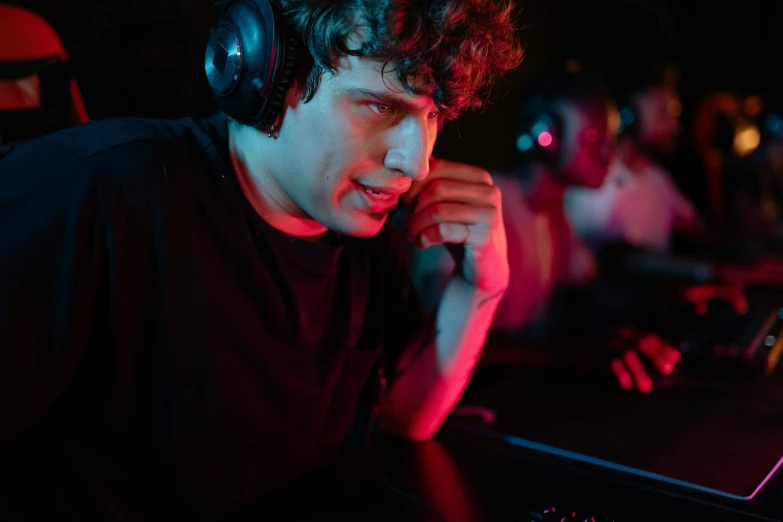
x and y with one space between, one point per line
565 137
640 206
738 143
638 202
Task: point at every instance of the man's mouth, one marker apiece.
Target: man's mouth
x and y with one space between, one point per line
379 199
377 194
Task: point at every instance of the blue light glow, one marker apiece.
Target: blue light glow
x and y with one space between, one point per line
540 127
626 117
775 124
525 142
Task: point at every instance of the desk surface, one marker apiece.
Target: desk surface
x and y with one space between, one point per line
465 477
468 479
725 437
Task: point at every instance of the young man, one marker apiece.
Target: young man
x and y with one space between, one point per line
638 203
566 129
190 311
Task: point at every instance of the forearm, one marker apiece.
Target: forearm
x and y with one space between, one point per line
424 395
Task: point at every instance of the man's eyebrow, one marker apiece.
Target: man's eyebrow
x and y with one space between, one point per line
386 98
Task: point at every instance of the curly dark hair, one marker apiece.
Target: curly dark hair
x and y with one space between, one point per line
452 50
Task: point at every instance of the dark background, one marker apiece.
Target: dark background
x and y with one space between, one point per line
145 57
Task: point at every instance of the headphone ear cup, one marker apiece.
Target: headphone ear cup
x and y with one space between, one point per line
246 58
539 137
628 120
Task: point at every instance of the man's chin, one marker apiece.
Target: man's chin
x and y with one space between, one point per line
367 225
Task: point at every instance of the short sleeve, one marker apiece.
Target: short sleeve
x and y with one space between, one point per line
50 259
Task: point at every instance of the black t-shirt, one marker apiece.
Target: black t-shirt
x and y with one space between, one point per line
163 350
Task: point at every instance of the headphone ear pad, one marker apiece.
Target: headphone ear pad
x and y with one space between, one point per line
629 123
281 84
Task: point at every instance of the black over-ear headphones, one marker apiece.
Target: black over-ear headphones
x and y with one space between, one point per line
250 61
539 132
628 118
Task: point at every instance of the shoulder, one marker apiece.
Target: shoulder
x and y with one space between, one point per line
619 174
100 137
117 135
116 142
663 181
135 156
131 146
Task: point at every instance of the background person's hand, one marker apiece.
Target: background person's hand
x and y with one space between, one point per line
631 373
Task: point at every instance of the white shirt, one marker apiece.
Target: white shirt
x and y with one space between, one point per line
642 207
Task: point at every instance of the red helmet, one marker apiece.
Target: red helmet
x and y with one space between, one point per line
34 77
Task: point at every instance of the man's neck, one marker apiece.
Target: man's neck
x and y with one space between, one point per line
633 155
259 186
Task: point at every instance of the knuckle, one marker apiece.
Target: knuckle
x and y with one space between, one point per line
493 216
439 212
439 188
495 195
485 176
476 174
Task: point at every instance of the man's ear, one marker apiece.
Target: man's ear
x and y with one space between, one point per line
293 98
441 122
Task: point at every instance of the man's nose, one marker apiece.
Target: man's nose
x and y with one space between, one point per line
410 148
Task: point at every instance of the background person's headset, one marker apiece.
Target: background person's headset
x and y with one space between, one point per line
539 132
539 124
249 61
628 119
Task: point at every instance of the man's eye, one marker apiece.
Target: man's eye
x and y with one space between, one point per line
382 108
432 115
